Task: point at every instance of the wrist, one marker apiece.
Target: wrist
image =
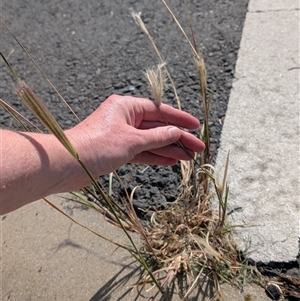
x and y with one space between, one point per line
77 177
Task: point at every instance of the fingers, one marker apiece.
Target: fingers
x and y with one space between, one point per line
145 125
168 155
187 139
183 149
165 142
147 110
179 118
154 138
170 115
153 159
191 142
174 152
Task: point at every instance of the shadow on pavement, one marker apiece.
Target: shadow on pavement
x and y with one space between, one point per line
120 280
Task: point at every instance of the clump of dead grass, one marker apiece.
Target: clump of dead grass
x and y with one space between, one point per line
189 239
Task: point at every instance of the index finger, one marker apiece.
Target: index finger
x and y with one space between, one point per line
166 113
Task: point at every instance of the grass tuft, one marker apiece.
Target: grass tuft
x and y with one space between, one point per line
189 239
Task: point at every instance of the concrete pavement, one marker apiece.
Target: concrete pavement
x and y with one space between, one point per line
47 257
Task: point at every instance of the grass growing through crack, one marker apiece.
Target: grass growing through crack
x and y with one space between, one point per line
188 240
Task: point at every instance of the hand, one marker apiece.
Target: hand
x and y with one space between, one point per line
121 130
127 129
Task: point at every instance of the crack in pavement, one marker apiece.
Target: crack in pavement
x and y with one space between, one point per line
273 10
283 240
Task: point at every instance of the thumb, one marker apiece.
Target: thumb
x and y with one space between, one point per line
158 137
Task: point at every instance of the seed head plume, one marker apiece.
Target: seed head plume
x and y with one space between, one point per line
138 20
156 78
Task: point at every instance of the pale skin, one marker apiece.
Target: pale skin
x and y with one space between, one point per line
122 130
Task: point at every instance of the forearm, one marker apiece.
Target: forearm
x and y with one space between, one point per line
33 166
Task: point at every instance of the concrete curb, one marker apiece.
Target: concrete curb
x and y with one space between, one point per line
261 130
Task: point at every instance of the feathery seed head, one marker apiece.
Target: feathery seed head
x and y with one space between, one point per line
156 78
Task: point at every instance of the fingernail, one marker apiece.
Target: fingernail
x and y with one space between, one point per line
174 131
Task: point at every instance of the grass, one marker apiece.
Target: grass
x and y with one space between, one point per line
186 244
